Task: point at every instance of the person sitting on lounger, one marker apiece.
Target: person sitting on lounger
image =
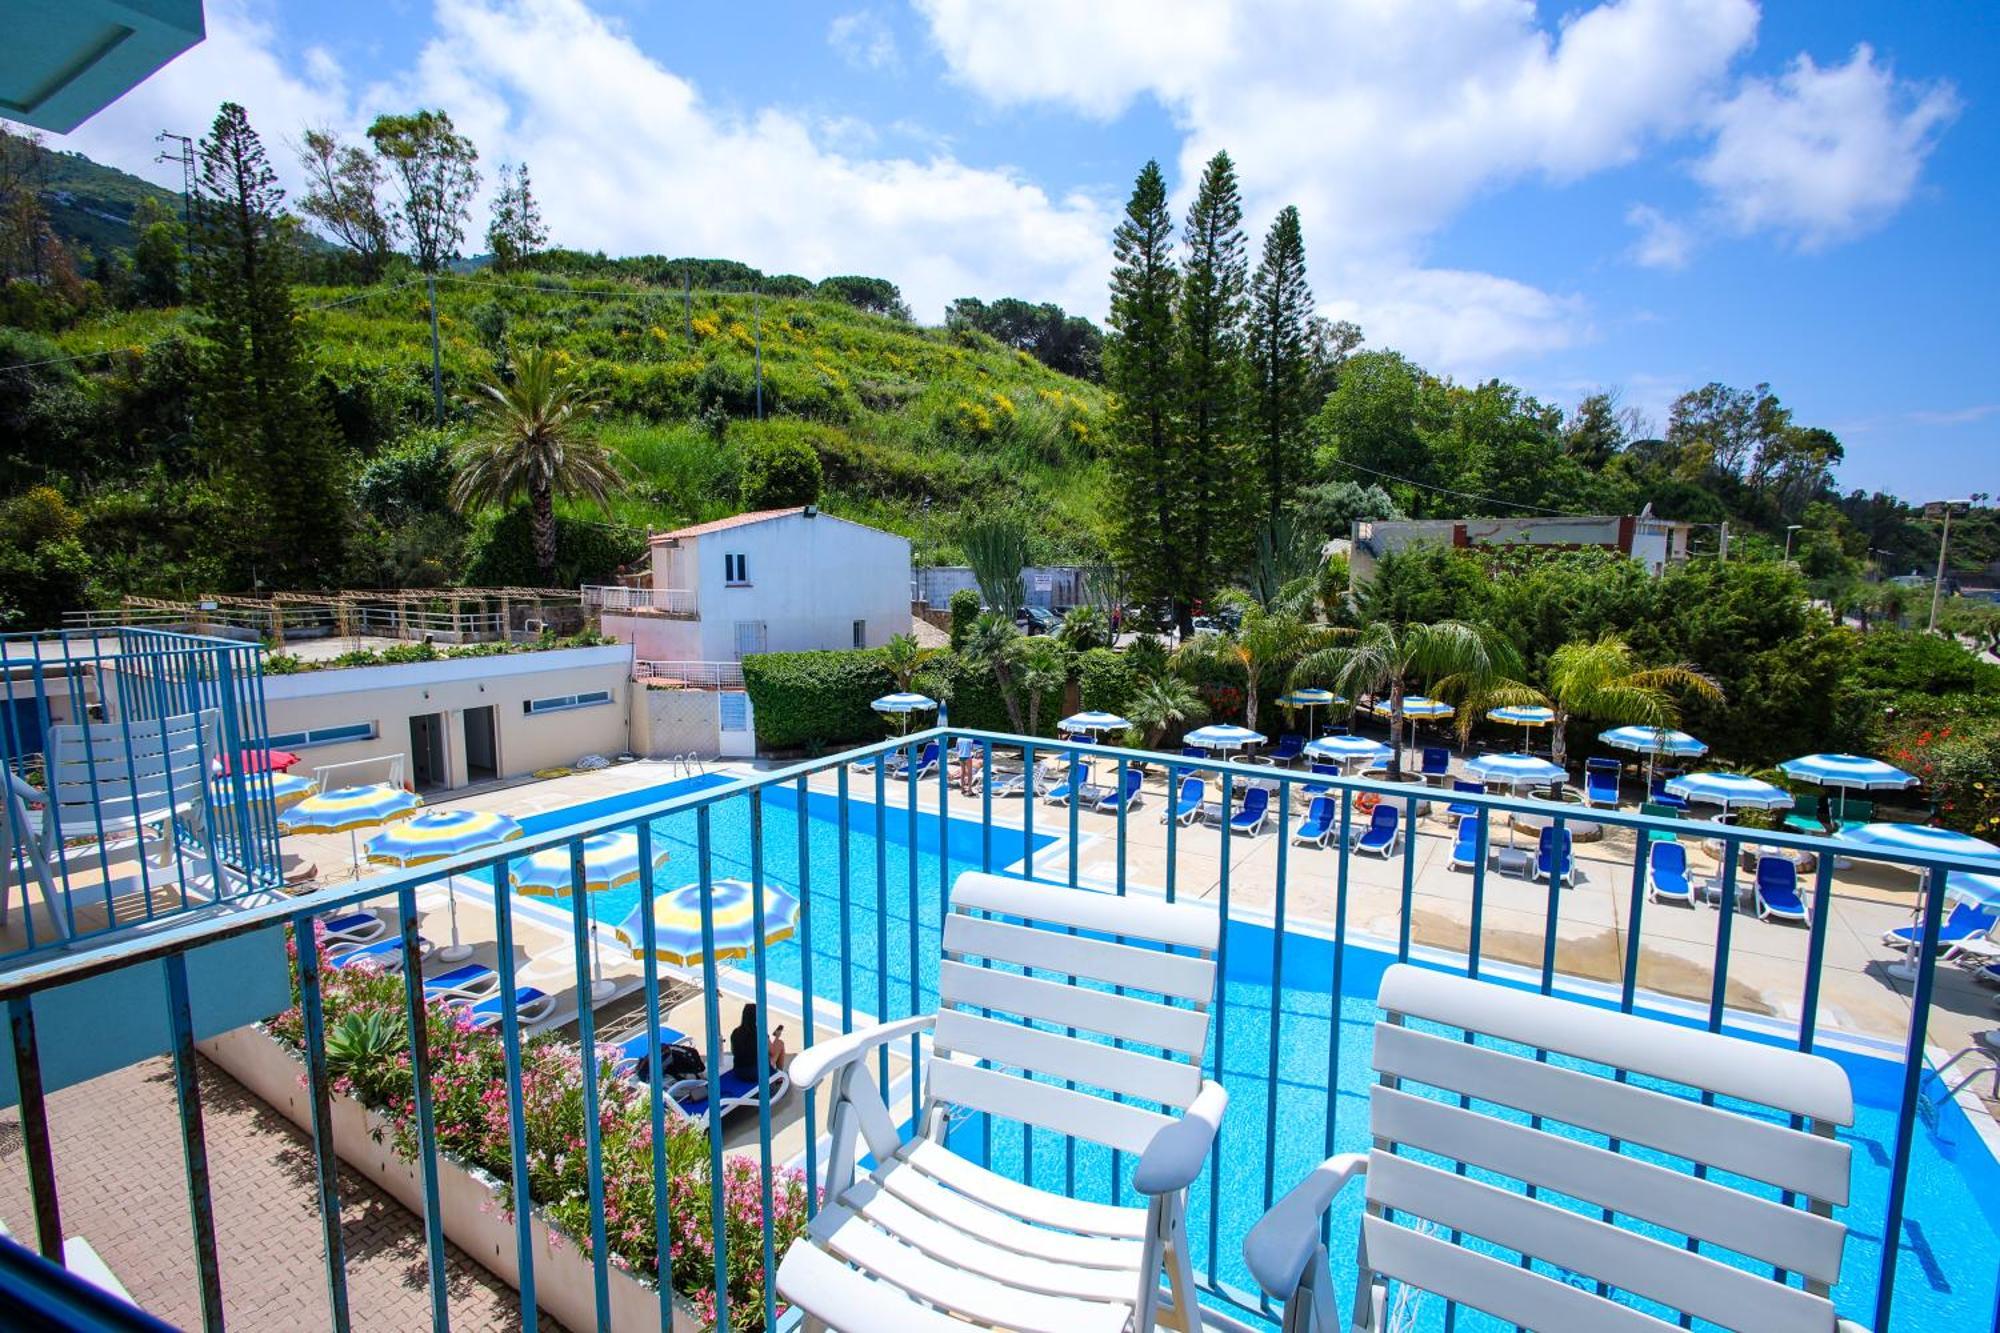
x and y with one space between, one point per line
743 1046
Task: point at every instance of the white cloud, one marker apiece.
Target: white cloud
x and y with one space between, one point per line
1662 242
863 40
1820 155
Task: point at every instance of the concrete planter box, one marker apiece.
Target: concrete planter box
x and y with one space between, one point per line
469 1198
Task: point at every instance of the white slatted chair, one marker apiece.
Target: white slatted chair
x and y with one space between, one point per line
929 1239
126 787
1413 1205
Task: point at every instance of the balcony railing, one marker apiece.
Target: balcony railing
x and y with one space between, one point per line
694 675
121 806
870 848
662 601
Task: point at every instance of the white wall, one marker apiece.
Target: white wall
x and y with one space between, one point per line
810 580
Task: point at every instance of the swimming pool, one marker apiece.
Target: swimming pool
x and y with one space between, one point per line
1951 1232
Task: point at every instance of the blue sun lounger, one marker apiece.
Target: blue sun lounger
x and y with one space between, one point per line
1964 922
1667 874
690 1096
1778 890
1554 858
469 981
1187 806
1250 816
1290 746
635 1053
531 1005
1600 783
1463 808
1465 844
1383 834
1317 825
384 955
1073 785
1110 798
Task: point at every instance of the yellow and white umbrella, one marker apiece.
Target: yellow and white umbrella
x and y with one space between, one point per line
287 789
350 809
435 835
610 861
677 922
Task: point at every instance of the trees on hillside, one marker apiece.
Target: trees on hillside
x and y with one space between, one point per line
529 440
1059 340
259 412
1280 352
344 185
515 232
878 296
435 169
1213 307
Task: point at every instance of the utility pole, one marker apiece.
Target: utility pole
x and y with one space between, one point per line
687 304
1790 528
437 362
757 340
1722 545
1944 545
183 154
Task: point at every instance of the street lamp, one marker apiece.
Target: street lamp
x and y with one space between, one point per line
1790 528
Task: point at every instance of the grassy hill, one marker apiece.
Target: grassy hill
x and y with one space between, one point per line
914 427
91 204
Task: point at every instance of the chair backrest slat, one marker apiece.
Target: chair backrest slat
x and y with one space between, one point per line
131 769
1185 976
1516 1295
1093 1064
1124 1017
1130 918
1085 1115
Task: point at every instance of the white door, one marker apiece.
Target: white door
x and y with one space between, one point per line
750 638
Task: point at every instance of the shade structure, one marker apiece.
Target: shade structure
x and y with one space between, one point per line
1093 721
349 810
610 861
434 835
1309 699
1414 705
1523 715
256 761
1967 887
1730 791
1920 839
1356 750
902 704
677 922
287 789
1223 736
1846 772
1516 770
1654 741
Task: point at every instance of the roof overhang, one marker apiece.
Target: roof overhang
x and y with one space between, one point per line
65 60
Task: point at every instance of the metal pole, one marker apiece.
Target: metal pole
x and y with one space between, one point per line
757 340
687 304
1937 581
437 365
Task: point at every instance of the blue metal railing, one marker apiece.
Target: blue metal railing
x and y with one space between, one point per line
129 679
818 999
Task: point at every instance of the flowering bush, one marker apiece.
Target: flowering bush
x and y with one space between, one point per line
1960 769
469 1100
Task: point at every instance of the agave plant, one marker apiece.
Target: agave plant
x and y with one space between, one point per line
362 1039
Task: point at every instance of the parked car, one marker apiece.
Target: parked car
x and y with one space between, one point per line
1037 620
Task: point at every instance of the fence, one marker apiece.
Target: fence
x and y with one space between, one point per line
668 601
453 615
764 829
693 675
210 693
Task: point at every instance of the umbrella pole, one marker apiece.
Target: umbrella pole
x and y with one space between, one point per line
455 951
1905 968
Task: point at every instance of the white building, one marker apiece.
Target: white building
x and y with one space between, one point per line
1653 542
777 580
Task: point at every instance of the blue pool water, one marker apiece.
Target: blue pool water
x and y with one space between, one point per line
1951 1233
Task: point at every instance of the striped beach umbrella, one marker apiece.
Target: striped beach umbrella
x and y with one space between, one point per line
1978 890
902 704
1310 698
349 810
1845 771
610 861
1730 790
1094 720
436 835
1654 742
1356 750
1515 770
677 922
1525 716
287 789
1223 736
1924 839
1415 706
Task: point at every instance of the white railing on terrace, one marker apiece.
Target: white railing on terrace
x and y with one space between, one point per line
699 675
672 601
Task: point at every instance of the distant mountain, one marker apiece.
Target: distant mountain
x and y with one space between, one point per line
91 204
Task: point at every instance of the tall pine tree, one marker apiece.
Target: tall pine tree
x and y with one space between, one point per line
1152 530
267 429
1281 313
1213 374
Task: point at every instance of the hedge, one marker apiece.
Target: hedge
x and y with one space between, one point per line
817 698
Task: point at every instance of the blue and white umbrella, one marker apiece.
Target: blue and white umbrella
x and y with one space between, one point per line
1730 790
1844 771
1516 770
1920 839
1524 716
1356 750
436 835
1978 890
1414 705
610 861
1309 698
1092 721
1655 741
677 935
904 703
1223 736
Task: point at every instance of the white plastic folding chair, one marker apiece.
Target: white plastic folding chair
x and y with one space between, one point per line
928 1238
1446 1164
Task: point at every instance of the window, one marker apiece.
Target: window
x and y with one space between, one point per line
557 703
860 634
735 568
733 711
334 735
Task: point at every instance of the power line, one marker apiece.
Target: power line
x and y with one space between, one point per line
1463 495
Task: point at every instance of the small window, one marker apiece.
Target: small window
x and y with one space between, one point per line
334 735
557 703
735 568
733 711
860 634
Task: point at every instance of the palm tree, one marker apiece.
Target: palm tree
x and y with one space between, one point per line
1040 665
1161 702
530 441
903 658
991 644
1601 678
1455 658
1267 641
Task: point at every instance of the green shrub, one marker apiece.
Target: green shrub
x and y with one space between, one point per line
816 699
502 551
780 471
1106 680
964 610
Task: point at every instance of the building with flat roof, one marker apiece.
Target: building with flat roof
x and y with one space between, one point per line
1653 542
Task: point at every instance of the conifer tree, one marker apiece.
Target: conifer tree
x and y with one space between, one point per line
1213 375
1281 313
267 429
516 231
1141 365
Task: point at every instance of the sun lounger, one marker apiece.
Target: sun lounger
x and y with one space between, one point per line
530 1006
1600 783
468 981
1554 858
1659 795
1109 799
1187 806
1194 752
1465 844
1317 825
1435 766
1659 811
1289 748
1667 874
352 928
1384 833
1250 816
1806 815
1074 785
1965 921
635 1053
1778 890
691 1094
382 955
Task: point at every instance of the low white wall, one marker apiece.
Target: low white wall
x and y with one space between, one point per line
469 1199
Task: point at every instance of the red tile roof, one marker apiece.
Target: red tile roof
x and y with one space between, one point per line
734 521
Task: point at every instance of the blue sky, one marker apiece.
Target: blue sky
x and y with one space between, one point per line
1642 195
